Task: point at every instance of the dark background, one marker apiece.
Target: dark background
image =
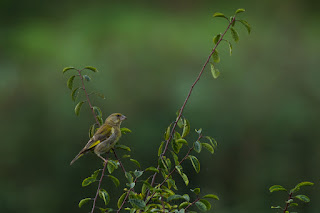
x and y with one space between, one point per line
263 110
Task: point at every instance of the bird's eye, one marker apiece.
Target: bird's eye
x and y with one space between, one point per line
118 115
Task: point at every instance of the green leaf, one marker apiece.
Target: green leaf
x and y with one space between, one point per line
172 183
137 173
100 120
212 141
114 180
129 177
246 25
84 201
197 146
293 204
78 107
198 131
91 68
103 194
90 179
185 178
120 146
215 56
212 196
153 169
97 110
205 202
219 15
303 198
196 191
87 78
167 133
120 200
70 82
234 34
110 167
186 128
182 141
183 205
137 203
74 93
126 156
216 38
275 188
91 131
208 147
201 206
306 183
232 20
125 130
215 72
175 158
180 123
135 162
174 197
176 146
68 68
186 197
195 163
276 207
230 48
160 148
240 10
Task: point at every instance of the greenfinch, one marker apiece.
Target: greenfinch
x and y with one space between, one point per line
105 137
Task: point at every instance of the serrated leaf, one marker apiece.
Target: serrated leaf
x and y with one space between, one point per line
70 82
180 123
185 178
246 25
183 205
78 107
137 203
208 147
306 183
275 188
120 200
219 15
153 169
68 68
125 130
110 167
103 194
303 198
174 197
195 163
234 34
137 173
216 38
197 146
205 202
215 72
114 180
88 181
212 141
129 177
120 146
182 141
167 133
212 196
97 110
186 197
215 56
87 78
240 10
172 183
74 94
168 163
135 162
186 128
196 191
175 158
201 206
91 68
84 201
160 148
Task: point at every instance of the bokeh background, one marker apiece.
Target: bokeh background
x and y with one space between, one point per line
263 110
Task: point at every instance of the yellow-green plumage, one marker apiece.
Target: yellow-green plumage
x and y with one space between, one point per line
105 137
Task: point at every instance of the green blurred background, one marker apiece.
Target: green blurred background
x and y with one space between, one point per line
263 110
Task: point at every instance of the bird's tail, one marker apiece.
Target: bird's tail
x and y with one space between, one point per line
76 158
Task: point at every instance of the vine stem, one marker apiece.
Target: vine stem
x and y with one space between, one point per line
99 185
287 205
188 96
115 154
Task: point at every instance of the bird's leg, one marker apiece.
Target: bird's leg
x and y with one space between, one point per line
105 160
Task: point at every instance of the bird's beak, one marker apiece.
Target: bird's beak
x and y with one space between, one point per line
123 118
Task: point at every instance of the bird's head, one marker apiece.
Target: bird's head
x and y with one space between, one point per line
115 119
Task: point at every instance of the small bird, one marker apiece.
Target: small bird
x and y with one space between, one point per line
105 137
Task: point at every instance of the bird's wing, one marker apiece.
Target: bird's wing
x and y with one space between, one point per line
103 133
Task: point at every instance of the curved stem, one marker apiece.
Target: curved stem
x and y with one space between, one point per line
97 193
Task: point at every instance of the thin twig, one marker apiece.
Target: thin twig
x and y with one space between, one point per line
196 200
287 205
123 169
99 185
188 96
124 200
